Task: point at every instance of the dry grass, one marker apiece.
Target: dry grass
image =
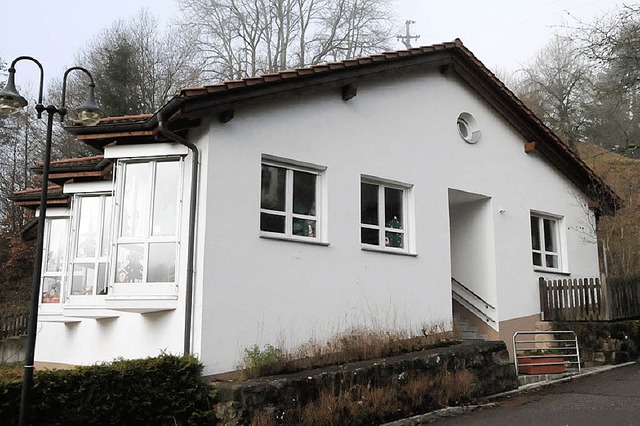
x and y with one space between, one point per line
361 405
352 345
621 231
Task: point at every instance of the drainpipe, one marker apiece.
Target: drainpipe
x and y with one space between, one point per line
192 229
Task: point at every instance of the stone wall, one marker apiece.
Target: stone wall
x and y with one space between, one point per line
487 361
12 350
605 342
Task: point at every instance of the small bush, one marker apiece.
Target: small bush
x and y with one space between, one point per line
257 362
165 390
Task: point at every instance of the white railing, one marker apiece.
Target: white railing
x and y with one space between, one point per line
547 348
472 301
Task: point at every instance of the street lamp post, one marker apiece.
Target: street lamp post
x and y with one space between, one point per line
89 114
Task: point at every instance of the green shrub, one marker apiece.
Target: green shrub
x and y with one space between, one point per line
259 362
165 390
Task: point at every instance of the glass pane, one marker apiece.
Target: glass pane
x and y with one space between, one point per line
393 208
56 245
162 263
51 290
273 188
83 279
394 239
304 193
550 235
165 198
552 261
101 287
303 227
369 236
135 202
271 223
537 259
88 226
535 234
369 204
106 228
129 267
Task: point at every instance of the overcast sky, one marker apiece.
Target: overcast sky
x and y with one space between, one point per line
504 34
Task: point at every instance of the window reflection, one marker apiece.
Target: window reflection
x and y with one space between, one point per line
129 266
146 247
164 199
135 200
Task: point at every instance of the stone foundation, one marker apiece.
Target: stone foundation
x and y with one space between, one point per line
487 361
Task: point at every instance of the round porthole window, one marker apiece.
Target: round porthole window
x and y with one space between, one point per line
468 128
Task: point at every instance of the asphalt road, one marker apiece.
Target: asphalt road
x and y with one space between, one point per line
610 398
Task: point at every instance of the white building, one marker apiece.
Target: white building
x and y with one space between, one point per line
323 197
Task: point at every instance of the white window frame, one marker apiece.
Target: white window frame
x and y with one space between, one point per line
407 216
291 166
45 259
75 235
559 239
145 286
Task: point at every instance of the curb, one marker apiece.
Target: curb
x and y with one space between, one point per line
487 401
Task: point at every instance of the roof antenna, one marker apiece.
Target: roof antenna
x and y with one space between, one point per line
406 39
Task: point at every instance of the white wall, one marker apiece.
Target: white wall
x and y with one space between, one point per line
131 335
473 260
258 291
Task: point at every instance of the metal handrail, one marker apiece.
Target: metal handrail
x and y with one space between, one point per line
487 304
473 307
573 340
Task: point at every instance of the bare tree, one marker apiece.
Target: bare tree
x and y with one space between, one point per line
243 38
137 68
611 45
556 87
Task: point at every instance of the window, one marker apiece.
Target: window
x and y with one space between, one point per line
468 128
148 221
289 198
54 259
383 215
91 245
545 241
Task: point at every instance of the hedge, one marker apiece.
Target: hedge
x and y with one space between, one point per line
166 390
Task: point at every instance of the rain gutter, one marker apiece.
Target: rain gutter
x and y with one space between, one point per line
188 315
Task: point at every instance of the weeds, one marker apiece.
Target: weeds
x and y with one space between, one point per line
259 362
364 405
351 345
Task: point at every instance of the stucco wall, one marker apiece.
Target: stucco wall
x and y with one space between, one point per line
129 335
251 290
257 290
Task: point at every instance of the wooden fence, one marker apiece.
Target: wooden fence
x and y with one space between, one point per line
588 299
624 297
13 325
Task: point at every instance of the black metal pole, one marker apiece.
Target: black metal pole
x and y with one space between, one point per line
27 381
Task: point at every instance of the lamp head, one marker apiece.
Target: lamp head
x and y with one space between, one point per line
10 100
89 113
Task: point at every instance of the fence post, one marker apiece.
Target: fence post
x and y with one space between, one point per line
543 298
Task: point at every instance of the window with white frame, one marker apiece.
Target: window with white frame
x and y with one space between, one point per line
90 251
545 241
289 200
54 259
147 237
383 214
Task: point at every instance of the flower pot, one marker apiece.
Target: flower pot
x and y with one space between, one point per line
527 365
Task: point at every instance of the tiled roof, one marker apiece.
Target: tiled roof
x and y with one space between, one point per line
319 69
453 56
119 119
83 161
